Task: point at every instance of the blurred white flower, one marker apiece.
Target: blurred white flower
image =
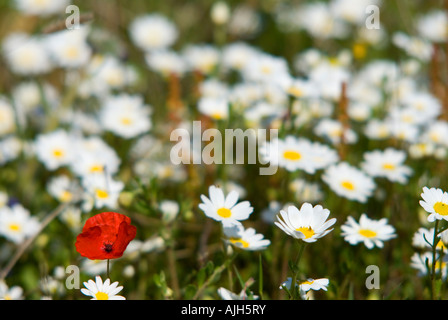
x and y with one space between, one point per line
368 231
26 55
349 182
126 115
16 223
42 7
54 149
153 32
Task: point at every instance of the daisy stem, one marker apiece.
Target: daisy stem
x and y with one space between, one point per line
24 246
433 265
296 271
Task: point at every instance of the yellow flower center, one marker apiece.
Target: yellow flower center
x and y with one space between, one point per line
335 133
217 116
307 231
240 241
441 208
96 168
334 61
101 296
72 52
224 212
359 50
66 196
441 245
367 233
292 155
307 282
126 121
348 185
296 92
388 166
14 227
102 194
58 153
266 70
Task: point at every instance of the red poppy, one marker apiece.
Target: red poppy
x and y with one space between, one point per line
105 236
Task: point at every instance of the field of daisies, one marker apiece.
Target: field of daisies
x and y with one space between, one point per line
94 206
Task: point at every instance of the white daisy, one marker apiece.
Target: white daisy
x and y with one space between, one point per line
16 223
26 55
166 62
424 238
63 188
13 293
423 261
433 26
265 68
298 154
314 284
229 295
93 155
306 191
7 117
126 115
387 163
102 190
169 209
225 208
215 107
377 129
435 202
153 32
42 7
236 55
54 149
201 58
371 232
436 133
105 73
349 182
307 224
102 291
333 131
246 239
69 48
307 285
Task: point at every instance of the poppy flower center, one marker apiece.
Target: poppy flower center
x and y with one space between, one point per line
107 247
441 208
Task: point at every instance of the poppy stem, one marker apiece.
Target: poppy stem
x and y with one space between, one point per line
107 270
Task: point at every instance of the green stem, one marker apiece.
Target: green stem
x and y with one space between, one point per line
108 268
433 264
296 271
